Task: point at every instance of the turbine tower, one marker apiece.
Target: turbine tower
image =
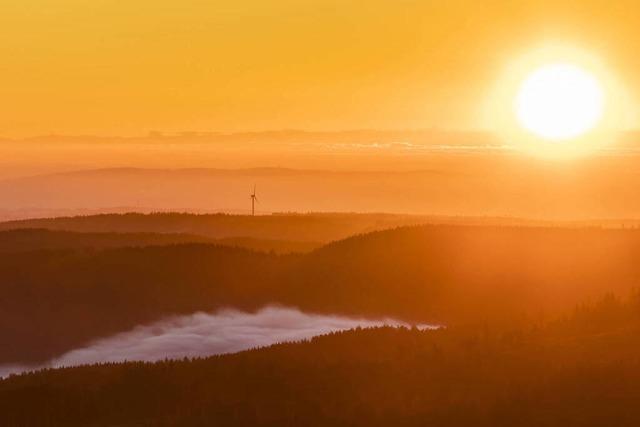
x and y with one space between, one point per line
254 199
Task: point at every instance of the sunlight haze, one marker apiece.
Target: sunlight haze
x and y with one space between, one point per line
109 67
319 213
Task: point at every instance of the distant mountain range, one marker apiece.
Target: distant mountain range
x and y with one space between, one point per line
496 187
422 137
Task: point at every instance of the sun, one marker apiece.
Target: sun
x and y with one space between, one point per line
559 102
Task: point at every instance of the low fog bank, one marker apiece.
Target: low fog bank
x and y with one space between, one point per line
204 334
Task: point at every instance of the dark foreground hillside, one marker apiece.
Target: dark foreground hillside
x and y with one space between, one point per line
54 301
583 371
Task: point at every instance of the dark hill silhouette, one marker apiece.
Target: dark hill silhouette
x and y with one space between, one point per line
449 273
287 227
577 372
53 301
30 239
269 245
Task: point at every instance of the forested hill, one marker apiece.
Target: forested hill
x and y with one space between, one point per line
33 239
294 227
30 239
54 301
578 372
290 227
452 273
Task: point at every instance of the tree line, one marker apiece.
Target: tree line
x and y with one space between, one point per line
581 369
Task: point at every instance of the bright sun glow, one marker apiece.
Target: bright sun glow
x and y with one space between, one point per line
559 102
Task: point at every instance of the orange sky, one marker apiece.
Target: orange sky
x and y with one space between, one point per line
127 67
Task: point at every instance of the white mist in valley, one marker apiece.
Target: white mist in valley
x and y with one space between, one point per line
207 334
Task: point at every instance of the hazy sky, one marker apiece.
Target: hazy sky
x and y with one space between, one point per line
127 67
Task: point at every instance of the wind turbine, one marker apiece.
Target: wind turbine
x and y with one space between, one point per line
254 199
